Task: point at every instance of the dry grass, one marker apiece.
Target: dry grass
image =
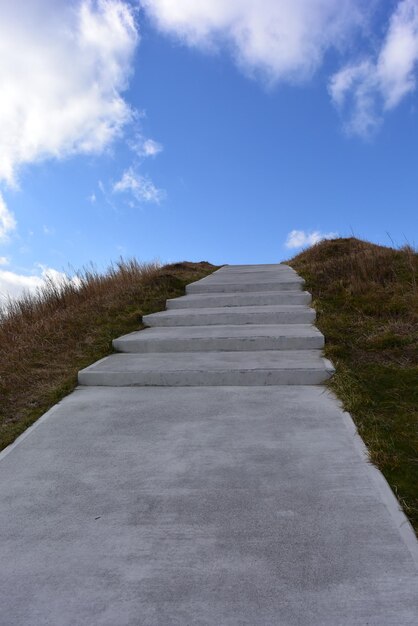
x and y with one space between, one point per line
46 338
366 297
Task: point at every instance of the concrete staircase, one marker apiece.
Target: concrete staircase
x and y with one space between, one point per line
242 325
171 490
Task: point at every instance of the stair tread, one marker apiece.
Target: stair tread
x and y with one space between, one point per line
224 330
210 361
266 308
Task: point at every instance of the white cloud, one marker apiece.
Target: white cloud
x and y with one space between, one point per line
302 239
145 147
7 220
141 187
13 285
366 90
280 39
4 260
151 147
398 59
63 69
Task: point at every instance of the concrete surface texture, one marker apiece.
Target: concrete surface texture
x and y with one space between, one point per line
266 314
205 505
222 338
239 299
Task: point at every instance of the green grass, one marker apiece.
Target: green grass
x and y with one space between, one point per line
47 338
366 299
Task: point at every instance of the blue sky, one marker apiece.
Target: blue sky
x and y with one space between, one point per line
232 131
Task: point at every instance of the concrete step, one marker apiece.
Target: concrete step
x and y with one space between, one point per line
258 269
250 286
190 369
270 314
241 275
255 268
203 300
252 276
249 337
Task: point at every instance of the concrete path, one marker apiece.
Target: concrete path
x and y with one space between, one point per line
185 503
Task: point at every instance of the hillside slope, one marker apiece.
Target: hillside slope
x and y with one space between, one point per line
45 339
366 297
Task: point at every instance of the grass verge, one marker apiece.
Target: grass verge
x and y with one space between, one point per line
46 338
366 297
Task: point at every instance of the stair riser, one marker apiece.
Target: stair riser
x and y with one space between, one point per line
205 379
260 269
240 300
250 279
306 316
222 344
243 288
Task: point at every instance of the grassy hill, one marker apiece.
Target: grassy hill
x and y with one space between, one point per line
366 297
45 339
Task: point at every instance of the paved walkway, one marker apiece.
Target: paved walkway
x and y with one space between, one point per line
203 476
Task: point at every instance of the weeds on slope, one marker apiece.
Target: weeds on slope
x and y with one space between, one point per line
47 337
366 297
